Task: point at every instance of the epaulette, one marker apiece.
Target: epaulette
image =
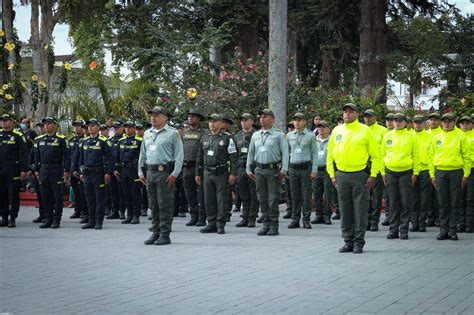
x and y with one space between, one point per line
138 138
17 132
87 137
109 138
60 136
103 138
40 136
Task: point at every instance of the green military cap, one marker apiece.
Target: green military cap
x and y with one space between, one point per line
409 119
434 115
465 118
448 116
8 116
78 122
157 110
299 116
93 121
246 116
139 126
323 124
419 118
215 116
400 116
472 116
390 116
129 123
370 112
39 124
49 119
266 111
104 127
351 105
194 111
116 124
225 117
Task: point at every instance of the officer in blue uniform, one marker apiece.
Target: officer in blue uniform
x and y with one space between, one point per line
80 209
53 162
115 190
96 172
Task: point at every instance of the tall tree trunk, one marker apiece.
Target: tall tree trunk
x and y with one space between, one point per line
372 34
277 62
330 70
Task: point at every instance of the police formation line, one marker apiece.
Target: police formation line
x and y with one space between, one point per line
424 171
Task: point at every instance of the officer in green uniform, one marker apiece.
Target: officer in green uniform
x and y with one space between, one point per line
450 168
302 170
226 123
161 154
269 154
216 150
323 189
247 190
194 193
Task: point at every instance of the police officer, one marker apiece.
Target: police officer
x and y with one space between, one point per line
13 169
104 130
246 186
302 170
323 189
376 192
450 168
422 187
194 193
400 168
434 124
34 180
389 123
115 189
289 200
94 153
226 123
216 149
126 159
466 220
53 163
80 209
140 131
161 154
267 164
350 147
181 204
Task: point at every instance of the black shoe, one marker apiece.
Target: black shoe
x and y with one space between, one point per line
294 225
162 240
175 214
150 229
415 228
392 235
442 236
307 226
192 221
272 232
11 223
251 224
112 216
122 216
98 225
368 227
430 223
89 225
327 221
127 220
144 213
75 215
182 215
135 220
336 217
461 228
150 217
55 224
403 236
422 228
46 225
4 222
318 220
236 210
385 222
454 237
468 229
374 227
107 213
287 215
358 249
242 223
84 219
260 219
208 229
263 231
152 239
201 221
38 219
220 230
347 248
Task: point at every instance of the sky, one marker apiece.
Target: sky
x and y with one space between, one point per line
63 43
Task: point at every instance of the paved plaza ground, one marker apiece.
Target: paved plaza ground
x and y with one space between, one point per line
73 271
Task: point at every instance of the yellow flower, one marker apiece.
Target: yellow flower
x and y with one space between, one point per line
42 84
67 66
9 46
463 101
11 66
1 92
5 87
8 96
34 77
2 33
191 93
23 84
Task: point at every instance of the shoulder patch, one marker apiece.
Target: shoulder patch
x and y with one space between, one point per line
138 138
60 136
101 137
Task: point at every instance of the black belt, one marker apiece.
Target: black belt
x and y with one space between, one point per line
189 163
51 166
168 167
133 164
217 170
321 168
300 166
86 170
363 170
267 165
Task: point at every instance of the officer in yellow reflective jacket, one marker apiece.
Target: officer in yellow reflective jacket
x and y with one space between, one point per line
466 220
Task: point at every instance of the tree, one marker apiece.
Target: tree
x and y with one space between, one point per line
419 54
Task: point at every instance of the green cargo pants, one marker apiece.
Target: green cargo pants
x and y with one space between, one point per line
216 195
268 193
248 195
323 191
300 184
449 199
400 192
421 199
161 201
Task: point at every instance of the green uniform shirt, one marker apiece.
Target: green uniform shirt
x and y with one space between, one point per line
216 150
303 148
242 140
268 146
322 150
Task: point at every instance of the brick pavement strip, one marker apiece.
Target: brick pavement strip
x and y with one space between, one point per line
72 271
